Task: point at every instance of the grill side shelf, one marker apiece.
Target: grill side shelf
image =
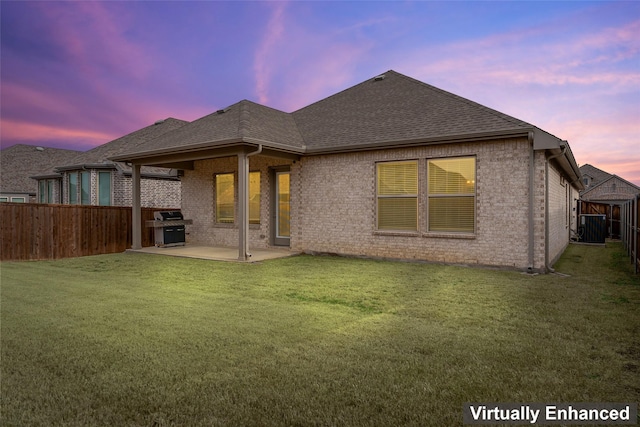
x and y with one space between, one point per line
169 223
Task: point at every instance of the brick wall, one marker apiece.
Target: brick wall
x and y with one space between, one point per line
333 206
613 189
198 194
338 213
558 219
154 192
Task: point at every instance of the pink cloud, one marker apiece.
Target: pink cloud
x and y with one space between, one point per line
93 37
26 132
262 60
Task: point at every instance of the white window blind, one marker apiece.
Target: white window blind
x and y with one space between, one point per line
397 188
452 194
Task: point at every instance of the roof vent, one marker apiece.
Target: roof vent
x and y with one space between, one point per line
159 122
378 78
39 148
224 110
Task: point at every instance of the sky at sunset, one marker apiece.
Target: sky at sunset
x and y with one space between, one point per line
79 74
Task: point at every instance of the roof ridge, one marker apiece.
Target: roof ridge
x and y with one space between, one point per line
244 119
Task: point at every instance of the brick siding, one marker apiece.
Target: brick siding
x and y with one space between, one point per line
333 206
198 195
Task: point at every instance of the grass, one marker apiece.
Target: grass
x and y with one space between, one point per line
143 340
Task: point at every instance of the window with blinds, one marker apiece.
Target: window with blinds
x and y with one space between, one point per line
397 194
225 195
451 188
254 197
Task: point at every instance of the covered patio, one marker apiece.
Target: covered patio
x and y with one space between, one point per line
245 131
217 253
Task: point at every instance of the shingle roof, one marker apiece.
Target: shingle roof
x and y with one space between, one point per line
394 107
241 121
129 142
19 162
597 175
388 109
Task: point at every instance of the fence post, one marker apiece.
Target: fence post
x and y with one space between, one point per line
136 215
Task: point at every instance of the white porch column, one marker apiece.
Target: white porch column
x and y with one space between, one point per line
243 206
136 214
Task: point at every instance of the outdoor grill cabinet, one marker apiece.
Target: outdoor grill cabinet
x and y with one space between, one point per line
169 228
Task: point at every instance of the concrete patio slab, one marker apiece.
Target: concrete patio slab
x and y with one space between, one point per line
216 253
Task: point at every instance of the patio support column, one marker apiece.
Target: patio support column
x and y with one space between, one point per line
243 206
136 214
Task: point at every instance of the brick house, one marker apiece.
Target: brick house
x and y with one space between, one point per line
391 167
20 162
90 178
603 187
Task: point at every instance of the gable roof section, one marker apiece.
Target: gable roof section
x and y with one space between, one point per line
387 111
597 175
633 189
100 155
394 108
244 121
19 162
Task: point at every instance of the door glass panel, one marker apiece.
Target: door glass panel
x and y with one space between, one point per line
282 220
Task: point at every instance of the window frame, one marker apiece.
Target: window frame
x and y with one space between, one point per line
415 196
255 221
432 196
216 201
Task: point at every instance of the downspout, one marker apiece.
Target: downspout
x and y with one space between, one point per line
255 153
244 221
546 205
531 202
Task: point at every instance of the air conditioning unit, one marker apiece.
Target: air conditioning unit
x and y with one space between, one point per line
594 228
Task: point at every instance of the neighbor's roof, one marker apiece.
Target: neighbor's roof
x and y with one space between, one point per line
624 189
19 162
597 175
100 155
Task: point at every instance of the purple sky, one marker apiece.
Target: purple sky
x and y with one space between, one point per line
79 74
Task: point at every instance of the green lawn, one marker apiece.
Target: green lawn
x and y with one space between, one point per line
146 340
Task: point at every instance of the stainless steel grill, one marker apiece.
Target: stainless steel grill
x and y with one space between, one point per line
169 228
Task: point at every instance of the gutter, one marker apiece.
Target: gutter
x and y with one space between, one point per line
330 149
532 172
564 146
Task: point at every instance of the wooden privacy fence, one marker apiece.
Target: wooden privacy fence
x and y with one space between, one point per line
630 219
610 210
39 231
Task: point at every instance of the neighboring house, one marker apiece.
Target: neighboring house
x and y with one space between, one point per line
391 167
603 187
19 162
90 178
604 194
